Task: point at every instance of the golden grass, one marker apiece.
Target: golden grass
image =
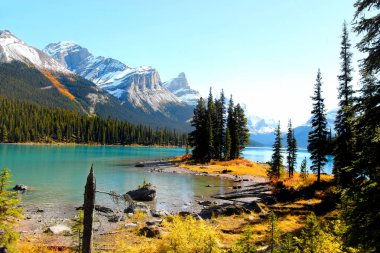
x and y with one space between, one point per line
297 182
238 167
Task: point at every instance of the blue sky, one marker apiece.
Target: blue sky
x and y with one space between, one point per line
266 53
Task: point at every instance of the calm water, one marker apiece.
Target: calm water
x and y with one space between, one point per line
57 174
263 154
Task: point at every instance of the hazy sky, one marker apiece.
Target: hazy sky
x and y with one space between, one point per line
266 53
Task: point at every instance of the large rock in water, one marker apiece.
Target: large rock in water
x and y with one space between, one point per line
144 193
20 187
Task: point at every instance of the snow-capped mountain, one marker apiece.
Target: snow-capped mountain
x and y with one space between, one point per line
180 87
14 49
260 125
262 130
141 87
30 75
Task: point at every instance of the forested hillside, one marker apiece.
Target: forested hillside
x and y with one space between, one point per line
25 122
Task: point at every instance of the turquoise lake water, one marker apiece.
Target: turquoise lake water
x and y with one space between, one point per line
57 174
264 154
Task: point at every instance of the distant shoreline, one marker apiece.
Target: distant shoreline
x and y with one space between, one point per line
87 144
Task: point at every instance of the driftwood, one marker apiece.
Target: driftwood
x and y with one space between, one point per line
88 211
116 197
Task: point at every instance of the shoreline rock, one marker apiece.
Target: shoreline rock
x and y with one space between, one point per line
145 193
20 187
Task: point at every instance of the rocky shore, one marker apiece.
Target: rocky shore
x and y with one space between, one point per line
244 196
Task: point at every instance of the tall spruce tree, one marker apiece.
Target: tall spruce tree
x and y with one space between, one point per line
199 136
221 125
344 143
363 196
367 22
318 135
227 149
275 168
210 125
231 126
242 132
291 149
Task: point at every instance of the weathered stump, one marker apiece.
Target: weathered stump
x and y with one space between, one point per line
88 211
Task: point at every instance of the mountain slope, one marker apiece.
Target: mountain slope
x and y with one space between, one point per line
139 89
28 74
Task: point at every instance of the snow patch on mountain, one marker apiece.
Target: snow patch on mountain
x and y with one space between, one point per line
139 86
14 49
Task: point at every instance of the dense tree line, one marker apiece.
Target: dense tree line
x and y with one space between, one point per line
357 144
218 135
25 122
358 172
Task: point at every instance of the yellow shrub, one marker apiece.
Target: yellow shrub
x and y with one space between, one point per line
187 235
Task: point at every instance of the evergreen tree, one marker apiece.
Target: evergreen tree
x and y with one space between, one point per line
210 125
227 152
344 143
9 212
275 169
241 129
291 149
367 21
364 194
4 134
318 135
231 126
221 128
21 122
198 138
274 232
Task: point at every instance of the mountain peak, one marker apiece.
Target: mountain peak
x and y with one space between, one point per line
180 87
140 87
179 82
14 49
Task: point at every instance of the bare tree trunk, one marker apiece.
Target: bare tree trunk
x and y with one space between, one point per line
88 211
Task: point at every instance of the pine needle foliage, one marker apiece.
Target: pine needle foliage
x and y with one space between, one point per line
9 212
317 141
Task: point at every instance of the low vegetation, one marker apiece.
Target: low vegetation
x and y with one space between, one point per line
239 166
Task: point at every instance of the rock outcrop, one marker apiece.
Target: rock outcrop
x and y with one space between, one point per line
144 193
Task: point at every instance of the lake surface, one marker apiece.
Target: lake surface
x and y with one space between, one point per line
264 154
57 174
